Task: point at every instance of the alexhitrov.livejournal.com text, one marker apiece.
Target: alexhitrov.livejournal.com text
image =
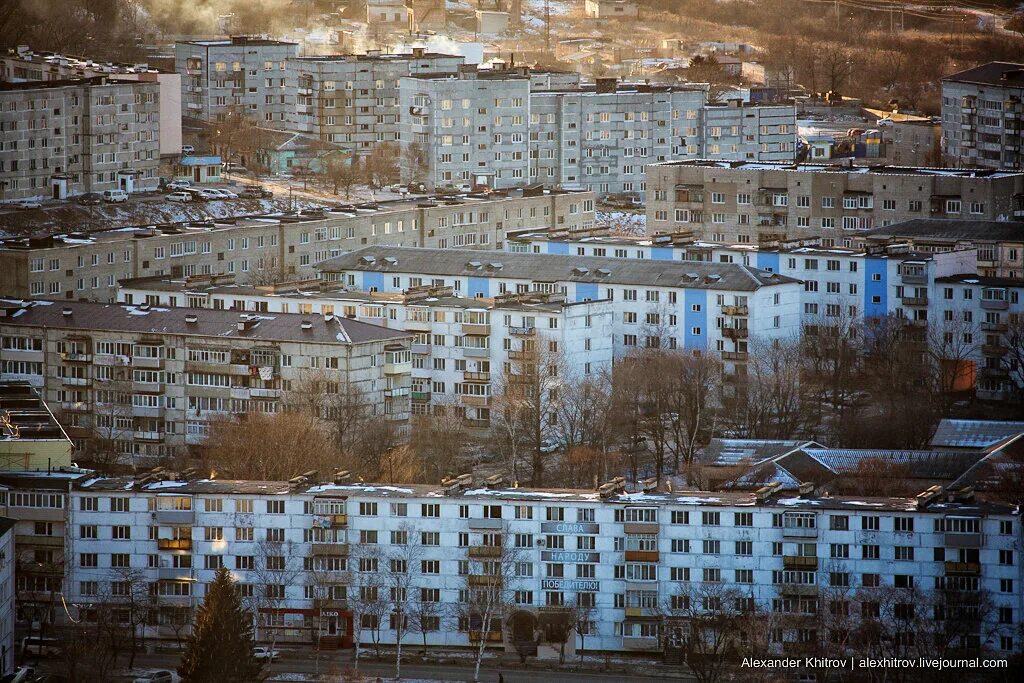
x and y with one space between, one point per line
851 663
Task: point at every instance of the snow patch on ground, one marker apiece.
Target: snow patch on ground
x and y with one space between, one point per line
622 223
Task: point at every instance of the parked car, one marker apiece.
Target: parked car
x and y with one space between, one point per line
177 185
548 446
418 188
179 197
115 196
206 194
228 194
464 187
90 199
265 654
28 204
256 192
158 677
187 149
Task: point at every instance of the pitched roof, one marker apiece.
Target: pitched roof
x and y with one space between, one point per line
974 434
993 73
919 464
725 452
936 228
555 268
210 323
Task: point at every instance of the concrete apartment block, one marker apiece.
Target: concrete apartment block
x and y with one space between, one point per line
982 117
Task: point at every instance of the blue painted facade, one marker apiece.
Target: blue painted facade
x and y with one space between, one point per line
876 267
768 261
661 253
373 280
478 286
695 319
558 248
586 290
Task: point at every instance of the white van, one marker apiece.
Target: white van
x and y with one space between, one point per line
115 196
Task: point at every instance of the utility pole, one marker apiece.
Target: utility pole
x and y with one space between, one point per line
547 26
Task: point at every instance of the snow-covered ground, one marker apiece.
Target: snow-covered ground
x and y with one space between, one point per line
622 222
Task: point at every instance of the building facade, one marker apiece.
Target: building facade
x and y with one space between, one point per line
629 559
657 304
145 381
241 76
353 100
460 344
982 117
67 137
23 64
7 588
745 203
265 249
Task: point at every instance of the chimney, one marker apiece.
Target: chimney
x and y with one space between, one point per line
191 319
607 85
418 52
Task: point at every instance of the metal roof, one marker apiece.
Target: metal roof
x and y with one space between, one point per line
975 434
943 229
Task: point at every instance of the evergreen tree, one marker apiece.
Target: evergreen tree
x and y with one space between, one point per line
220 649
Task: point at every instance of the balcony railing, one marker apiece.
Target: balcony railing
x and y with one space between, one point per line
735 310
485 551
522 331
330 549
963 568
800 562
735 332
476 376
174 544
175 517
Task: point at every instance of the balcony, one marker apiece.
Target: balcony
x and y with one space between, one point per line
147 387
140 435
476 330
330 549
994 373
76 357
175 517
397 392
146 362
995 304
640 643
800 562
522 331
521 355
475 352
735 355
994 327
963 568
74 406
914 279
22 540
798 588
148 411
421 349
179 600
476 376
799 532
640 527
75 381
914 300
478 401
337 521
420 396
488 636
174 544
735 310
404 368
484 580
175 574
33 514
641 556
485 551
964 540
993 349
265 393
485 523
476 423
735 332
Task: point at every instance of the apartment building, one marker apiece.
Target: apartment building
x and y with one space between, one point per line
238 76
742 131
353 100
265 249
982 117
66 137
656 304
630 558
148 379
999 244
459 344
7 588
745 202
31 439
470 128
24 64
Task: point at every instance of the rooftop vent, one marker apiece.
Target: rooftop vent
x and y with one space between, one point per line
603 272
67 312
368 259
713 277
391 260
306 325
580 270
191 318
495 265
763 494
475 265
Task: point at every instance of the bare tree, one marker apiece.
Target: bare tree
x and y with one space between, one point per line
401 560
582 615
380 167
278 567
772 402
425 614
1011 341
440 440
130 596
365 597
952 347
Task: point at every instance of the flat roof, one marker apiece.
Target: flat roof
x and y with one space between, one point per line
211 323
76 82
952 229
555 268
1006 74
836 168
236 41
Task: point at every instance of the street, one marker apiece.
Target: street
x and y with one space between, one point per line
291 663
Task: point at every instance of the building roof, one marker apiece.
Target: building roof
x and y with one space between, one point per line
954 230
555 268
974 434
839 168
919 464
199 161
6 524
76 82
236 40
725 452
210 323
983 280
993 73
25 417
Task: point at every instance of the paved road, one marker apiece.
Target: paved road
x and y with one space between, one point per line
292 663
